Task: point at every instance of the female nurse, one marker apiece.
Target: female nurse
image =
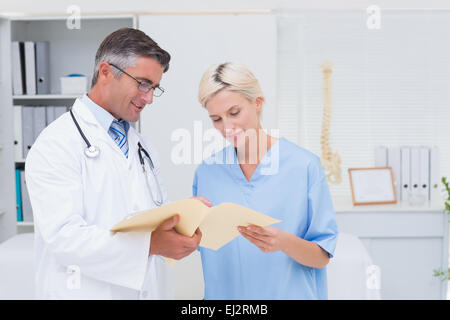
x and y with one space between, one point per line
273 176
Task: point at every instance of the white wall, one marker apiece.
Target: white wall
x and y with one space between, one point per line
390 86
88 6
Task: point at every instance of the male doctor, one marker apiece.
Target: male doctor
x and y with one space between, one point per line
78 195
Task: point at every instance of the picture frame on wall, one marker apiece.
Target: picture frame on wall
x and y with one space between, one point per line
372 185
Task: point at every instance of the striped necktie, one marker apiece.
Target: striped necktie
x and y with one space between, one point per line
119 135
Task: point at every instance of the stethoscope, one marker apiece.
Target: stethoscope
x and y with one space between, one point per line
94 151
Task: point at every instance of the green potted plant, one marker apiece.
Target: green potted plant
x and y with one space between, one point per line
447 202
445 275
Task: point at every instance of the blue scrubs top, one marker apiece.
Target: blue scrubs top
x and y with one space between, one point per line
289 184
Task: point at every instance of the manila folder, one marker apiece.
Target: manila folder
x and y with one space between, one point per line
218 224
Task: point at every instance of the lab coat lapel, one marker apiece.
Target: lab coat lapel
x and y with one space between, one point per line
83 112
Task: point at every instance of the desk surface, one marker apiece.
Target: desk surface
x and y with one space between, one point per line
344 204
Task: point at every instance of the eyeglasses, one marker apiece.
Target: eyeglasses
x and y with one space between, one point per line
142 85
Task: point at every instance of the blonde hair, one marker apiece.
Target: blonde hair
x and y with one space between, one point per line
229 76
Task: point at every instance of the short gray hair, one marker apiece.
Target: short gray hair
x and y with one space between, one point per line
124 46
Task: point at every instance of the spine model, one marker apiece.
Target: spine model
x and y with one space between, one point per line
331 162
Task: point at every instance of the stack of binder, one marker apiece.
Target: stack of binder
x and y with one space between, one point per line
29 121
415 170
30 67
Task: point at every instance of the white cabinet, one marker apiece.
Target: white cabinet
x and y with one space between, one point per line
7 184
407 242
71 51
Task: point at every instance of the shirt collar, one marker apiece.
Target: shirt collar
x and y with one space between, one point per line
103 117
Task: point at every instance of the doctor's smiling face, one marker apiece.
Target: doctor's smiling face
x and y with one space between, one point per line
125 100
127 71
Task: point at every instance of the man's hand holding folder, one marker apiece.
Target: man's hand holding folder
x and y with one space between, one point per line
167 242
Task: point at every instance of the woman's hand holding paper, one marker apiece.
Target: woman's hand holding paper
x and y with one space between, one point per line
268 239
271 239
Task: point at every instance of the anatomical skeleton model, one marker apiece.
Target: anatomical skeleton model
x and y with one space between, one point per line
331 162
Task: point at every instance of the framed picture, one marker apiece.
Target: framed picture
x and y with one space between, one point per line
372 185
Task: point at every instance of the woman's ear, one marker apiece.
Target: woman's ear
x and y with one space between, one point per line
259 102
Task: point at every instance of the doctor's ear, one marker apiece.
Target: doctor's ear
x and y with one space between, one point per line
105 72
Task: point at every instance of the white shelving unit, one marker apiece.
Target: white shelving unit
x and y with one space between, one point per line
71 51
7 180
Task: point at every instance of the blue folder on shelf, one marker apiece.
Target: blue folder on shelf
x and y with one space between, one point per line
18 197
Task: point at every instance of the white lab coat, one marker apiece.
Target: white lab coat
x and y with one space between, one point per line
76 200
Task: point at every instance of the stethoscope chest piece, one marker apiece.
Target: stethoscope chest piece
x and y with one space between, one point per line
92 151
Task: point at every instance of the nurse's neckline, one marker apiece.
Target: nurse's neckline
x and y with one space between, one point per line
250 169
273 142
